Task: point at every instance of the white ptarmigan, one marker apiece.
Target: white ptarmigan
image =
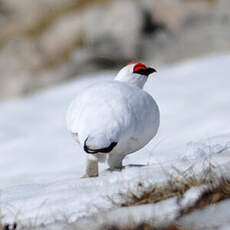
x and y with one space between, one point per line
114 118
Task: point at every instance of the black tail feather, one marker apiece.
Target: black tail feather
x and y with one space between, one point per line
102 150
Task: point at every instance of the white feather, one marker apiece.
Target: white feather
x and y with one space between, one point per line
114 111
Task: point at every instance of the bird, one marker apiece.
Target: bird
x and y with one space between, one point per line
113 118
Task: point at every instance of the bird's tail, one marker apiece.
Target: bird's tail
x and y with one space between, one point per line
93 150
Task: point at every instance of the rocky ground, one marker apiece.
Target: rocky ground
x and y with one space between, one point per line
46 42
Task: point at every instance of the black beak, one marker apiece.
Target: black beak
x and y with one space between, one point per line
149 71
146 71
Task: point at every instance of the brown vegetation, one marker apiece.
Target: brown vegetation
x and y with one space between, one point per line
216 189
148 227
162 192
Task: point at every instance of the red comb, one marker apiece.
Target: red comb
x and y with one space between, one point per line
138 66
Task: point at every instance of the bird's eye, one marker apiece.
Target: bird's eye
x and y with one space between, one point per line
139 67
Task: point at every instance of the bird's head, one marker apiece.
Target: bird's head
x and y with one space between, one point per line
135 73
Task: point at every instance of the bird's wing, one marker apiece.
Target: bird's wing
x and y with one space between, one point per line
107 112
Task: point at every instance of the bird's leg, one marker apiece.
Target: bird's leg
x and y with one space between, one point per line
101 157
92 166
115 161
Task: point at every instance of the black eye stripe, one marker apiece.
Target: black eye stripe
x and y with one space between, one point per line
141 71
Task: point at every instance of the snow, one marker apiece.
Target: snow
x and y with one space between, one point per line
216 216
41 165
160 214
192 195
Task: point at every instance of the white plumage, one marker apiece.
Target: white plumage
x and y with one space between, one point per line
114 118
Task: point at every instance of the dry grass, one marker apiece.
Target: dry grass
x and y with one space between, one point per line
211 196
173 187
147 227
217 189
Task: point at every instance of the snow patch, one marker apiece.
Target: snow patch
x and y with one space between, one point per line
41 166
